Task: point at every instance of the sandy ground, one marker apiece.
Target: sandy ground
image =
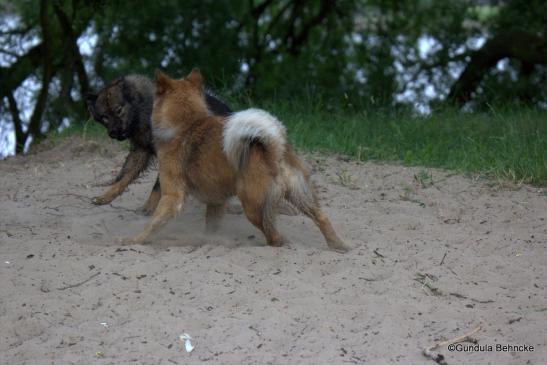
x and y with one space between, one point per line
432 258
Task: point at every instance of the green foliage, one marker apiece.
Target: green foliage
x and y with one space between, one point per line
87 129
169 34
506 143
355 54
517 14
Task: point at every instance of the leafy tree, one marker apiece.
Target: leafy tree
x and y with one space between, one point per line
345 52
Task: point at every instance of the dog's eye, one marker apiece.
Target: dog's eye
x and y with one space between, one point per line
105 119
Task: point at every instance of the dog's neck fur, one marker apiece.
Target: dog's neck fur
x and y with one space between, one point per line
165 133
193 113
197 112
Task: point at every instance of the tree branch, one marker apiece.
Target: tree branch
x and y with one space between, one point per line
277 17
299 39
17 31
258 47
17 72
520 45
66 26
34 127
20 135
260 8
9 53
13 75
296 10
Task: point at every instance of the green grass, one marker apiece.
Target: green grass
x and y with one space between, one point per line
88 130
508 144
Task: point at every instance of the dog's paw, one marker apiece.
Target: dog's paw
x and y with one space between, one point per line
101 200
339 247
280 241
147 210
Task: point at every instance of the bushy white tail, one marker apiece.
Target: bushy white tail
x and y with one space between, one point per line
253 125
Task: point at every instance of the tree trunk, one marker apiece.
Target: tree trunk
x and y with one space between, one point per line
528 48
35 122
20 135
55 51
74 51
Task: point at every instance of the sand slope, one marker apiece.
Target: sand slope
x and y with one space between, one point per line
429 261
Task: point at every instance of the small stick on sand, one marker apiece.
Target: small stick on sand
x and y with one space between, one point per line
439 358
378 254
442 261
80 283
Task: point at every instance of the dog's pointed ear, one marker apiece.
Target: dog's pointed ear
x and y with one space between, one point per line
195 78
163 82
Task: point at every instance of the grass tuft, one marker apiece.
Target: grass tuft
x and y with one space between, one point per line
506 145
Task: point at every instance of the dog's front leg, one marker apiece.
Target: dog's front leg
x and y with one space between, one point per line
137 160
168 207
153 200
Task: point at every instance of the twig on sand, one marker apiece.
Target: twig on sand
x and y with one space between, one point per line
122 208
80 283
461 296
439 358
442 261
425 280
79 196
378 254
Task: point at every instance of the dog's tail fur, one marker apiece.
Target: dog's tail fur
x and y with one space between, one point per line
244 128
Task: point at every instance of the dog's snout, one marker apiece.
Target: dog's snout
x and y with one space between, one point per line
117 134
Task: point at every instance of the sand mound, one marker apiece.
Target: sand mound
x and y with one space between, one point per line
433 256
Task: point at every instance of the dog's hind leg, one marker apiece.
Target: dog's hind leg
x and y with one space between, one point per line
259 196
255 213
153 200
301 194
323 222
137 160
213 216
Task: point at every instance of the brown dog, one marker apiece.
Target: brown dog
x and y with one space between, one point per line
214 158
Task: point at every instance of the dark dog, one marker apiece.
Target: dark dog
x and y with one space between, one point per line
124 107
